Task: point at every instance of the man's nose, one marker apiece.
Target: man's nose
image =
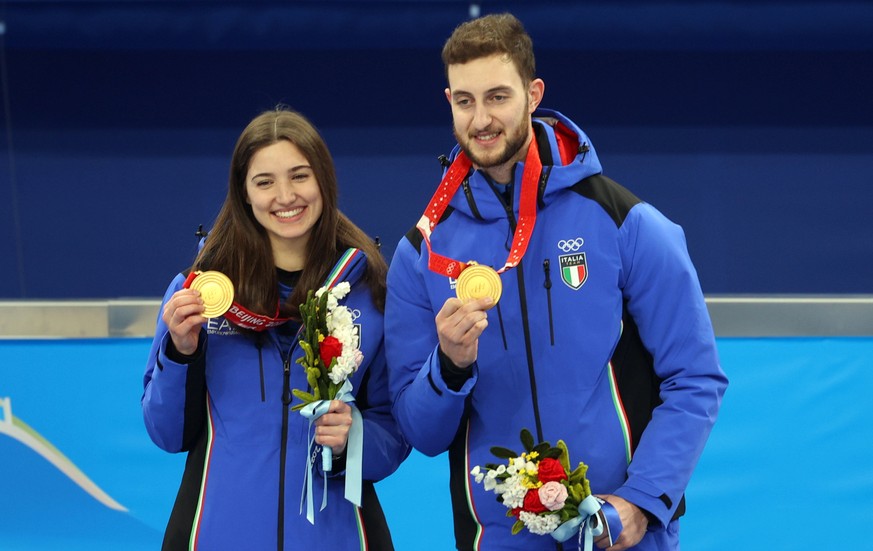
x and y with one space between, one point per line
481 117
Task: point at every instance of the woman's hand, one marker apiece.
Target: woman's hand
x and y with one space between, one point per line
183 315
332 428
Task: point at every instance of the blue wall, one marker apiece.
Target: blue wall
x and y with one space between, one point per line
749 123
788 455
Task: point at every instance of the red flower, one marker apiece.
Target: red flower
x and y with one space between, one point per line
550 469
329 349
532 503
516 511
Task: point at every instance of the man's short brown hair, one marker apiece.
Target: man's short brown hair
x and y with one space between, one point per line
492 34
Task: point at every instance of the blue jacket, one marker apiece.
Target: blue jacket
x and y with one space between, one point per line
225 408
601 338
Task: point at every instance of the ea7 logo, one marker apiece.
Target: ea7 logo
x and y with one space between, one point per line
574 270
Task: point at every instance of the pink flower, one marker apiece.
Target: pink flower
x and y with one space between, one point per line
552 495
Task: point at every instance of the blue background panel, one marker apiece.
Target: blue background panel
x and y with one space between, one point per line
748 122
787 456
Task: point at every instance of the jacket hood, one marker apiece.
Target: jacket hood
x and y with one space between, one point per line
567 156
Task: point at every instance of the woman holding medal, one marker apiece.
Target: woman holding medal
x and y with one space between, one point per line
578 312
224 358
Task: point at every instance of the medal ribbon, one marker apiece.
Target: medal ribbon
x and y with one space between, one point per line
527 211
241 316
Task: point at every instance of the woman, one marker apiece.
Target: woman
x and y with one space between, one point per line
219 388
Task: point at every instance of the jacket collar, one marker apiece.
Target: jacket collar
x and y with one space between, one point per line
567 157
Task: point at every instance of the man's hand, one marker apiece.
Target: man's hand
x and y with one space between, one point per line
459 326
633 521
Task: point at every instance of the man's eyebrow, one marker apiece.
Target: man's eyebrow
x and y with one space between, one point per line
494 90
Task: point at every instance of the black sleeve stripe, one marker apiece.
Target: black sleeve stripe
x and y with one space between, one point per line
616 200
638 386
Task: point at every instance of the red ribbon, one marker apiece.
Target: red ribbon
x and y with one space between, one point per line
527 211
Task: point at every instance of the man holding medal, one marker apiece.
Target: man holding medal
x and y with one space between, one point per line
535 292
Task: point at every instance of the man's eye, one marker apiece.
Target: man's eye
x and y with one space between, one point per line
462 102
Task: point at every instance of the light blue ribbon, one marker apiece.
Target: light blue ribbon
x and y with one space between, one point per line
354 453
589 524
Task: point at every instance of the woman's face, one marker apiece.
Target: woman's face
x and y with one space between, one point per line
284 195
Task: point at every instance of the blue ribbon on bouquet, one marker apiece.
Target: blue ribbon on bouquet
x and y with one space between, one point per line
596 516
354 453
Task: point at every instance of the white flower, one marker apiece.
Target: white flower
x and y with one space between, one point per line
477 473
341 326
513 492
539 524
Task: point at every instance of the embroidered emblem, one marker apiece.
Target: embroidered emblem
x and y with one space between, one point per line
571 245
574 270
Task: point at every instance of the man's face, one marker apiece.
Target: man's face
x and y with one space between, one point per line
491 109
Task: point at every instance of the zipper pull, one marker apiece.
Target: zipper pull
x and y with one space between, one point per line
547 269
286 388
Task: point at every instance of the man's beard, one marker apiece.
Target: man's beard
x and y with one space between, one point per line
514 144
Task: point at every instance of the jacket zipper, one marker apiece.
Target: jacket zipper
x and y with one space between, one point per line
502 330
468 193
528 346
286 404
260 345
548 285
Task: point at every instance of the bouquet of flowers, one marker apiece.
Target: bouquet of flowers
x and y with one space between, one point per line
330 355
329 343
537 486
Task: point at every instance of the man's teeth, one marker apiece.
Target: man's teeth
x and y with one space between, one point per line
486 137
289 213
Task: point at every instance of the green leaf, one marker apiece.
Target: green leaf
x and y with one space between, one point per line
505 453
553 453
517 527
541 448
578 474
576 492
305 396
527 440
564 458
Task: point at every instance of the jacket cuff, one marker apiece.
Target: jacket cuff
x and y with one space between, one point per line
656 505
453 376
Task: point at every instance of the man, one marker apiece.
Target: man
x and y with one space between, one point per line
599 337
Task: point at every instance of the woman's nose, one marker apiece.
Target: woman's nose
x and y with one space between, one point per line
286 192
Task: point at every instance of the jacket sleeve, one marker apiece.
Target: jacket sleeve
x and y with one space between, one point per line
174 397
664 297
384 445
429 413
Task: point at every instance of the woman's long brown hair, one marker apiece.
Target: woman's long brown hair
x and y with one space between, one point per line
239 246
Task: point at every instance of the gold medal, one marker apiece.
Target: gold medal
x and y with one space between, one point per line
216 290
477 281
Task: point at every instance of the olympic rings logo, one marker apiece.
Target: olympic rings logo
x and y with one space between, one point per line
355 314
568 245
